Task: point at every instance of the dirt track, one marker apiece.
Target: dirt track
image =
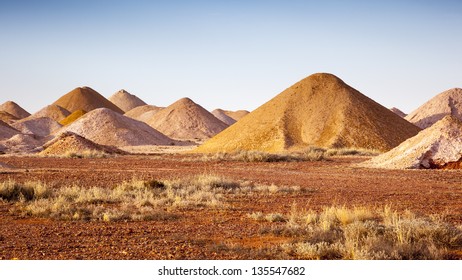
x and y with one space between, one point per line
210 233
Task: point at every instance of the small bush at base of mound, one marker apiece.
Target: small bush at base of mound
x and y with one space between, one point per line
362 233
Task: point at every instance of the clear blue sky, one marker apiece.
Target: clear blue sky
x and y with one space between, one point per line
227 54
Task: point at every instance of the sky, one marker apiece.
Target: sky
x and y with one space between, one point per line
227 54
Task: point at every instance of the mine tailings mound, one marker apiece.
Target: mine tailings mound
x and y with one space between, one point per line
54 112
106 127
72 117
14 109
69 142
186 120
126 101
320 110
446 103
87 99
439 146
222 116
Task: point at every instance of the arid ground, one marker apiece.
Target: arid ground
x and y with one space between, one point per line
224 232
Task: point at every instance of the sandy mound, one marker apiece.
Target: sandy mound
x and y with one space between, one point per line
186 120
69 142
106 127
237 115
39 126
6 131
398 112
320 110
53 112
446 103
438 145
125 100
7 117
21 143
87 99
72 117
143 113
14 109
222 116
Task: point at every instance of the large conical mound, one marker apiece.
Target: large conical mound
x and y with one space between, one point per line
106 127
125 100
87 99
436 146
222 116
320 110
69 142
446 103
14 109
54 112
186 120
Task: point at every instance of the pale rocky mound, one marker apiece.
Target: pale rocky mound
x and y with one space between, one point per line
398 112
143 113
72 117
69 142
42 127
222 116
186 120
446 103
6 131
106 127
125 100
237 115
54 112
87 99
320 110
7 117
436 146
21 143
14 109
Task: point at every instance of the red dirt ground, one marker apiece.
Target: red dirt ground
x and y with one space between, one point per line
210 233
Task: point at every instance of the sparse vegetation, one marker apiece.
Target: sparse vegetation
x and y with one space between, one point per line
86 154
361 233
134 200
309 154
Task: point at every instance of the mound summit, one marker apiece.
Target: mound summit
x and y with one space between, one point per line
85 98
446 103
126 101
320 110
14 109
436 146
186 120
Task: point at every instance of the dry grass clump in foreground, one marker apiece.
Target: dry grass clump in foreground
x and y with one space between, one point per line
361 233
129 201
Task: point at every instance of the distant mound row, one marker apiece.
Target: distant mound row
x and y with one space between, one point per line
320 110
14 109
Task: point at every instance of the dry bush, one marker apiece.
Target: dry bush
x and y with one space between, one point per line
257 156
86 154
133 200
351 152
361 233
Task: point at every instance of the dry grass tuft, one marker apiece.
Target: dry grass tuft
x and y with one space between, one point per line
133 200
361 233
